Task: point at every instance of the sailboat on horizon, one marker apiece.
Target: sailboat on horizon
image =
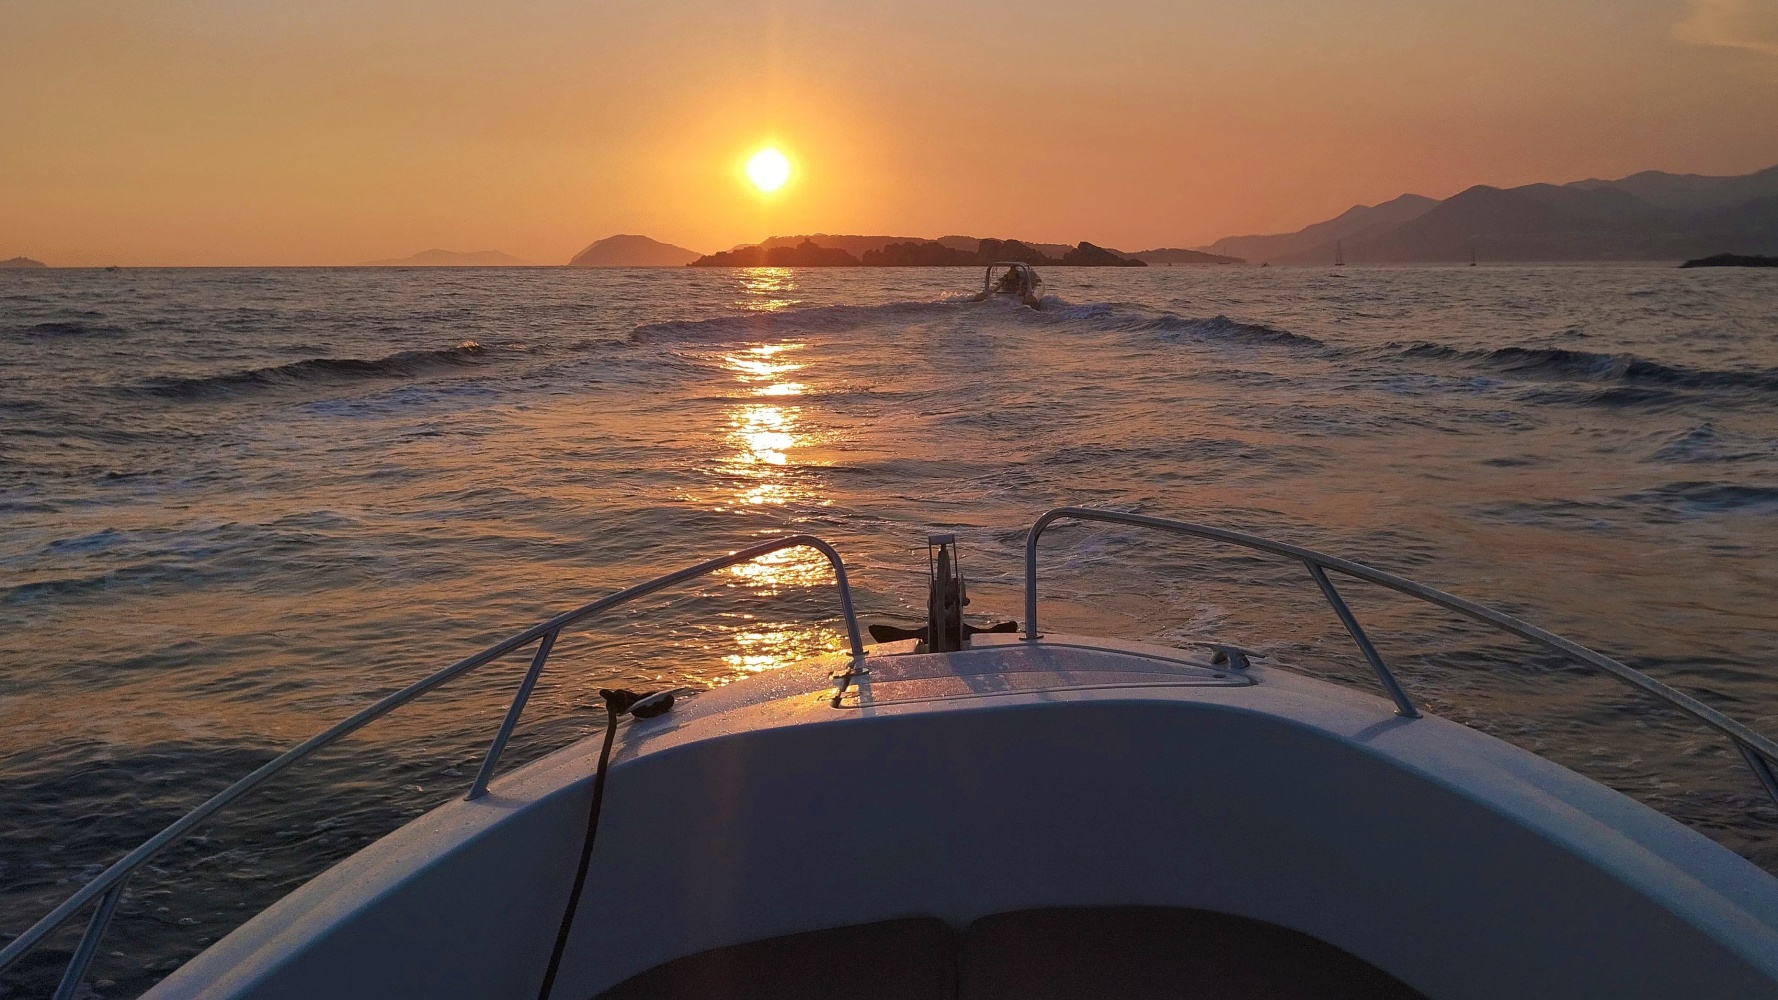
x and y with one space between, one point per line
1339 255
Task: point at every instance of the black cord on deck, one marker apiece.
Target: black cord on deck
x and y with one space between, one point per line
617 703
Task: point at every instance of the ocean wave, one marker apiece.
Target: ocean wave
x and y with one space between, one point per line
1224 328
66 328
1706 443
399 365
1701 498
133 575
1591 366
1169 327
193 556
1665 504
1646 397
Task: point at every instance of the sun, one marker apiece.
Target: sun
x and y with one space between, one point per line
768 169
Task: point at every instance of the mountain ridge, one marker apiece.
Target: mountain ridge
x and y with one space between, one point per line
1692 192
1647 216
1352 221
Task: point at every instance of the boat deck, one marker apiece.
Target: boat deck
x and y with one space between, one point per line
1132 953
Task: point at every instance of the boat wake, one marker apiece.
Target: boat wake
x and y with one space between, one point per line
1057 316
791 322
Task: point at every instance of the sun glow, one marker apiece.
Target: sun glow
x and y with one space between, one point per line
768 169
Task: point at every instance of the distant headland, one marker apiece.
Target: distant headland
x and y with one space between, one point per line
632 251
22 263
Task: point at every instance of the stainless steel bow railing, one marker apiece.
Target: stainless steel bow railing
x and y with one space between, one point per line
108 887
1760 753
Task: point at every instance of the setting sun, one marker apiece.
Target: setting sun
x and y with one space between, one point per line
768 169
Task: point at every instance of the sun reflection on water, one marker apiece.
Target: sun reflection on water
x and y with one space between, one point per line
768 465
766 289
765 434
768 646
781 389
785 568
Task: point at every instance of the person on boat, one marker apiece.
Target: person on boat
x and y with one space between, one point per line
1010 282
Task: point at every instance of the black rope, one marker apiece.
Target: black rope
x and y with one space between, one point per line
617 704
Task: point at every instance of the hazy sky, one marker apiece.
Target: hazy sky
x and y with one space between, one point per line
336 131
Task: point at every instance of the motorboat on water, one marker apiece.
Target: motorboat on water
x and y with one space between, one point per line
968 812
1012 278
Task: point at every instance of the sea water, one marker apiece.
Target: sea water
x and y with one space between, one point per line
238 505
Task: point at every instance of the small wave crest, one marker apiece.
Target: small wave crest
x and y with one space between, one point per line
311 370
1627 370
1668 503
66 328
1702 498
1225 329
1707 443
1175 329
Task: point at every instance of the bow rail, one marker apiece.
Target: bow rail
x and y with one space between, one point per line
1760 753
108 887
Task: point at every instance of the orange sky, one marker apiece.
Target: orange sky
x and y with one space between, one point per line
336 131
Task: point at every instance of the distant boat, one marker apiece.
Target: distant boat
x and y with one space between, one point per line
1339 255
1472 256
1015 278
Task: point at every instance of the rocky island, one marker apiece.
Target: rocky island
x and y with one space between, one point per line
1088 255
804 254
22 263
951 252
